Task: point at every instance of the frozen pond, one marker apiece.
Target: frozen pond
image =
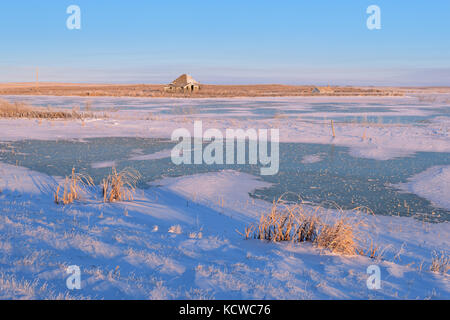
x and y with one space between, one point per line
384 110
319 173
323 173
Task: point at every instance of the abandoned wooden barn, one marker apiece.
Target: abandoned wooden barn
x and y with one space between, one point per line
184 83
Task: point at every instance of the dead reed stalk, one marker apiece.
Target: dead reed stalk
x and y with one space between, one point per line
120 186
73 187
440 263
373 252
21 110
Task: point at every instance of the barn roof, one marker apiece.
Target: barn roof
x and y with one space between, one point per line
183 80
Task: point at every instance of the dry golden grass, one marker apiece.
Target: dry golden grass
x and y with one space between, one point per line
206 90
120 186
440 263
338 237
73 187
117 186
295 223
21 110
373 252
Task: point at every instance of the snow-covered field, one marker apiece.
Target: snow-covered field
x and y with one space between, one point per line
179 240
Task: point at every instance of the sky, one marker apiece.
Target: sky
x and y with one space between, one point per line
227 42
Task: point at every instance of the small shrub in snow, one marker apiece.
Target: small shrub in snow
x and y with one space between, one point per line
175 229
72 188
195 235
120 186
337 237
373 252
440 263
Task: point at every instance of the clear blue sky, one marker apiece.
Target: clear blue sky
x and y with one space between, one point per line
242 41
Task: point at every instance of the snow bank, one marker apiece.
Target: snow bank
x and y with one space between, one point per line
226 191
21 180
178 241
433 184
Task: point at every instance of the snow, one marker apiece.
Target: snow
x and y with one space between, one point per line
313 158
23 181
153 156
103 164
177 240
226 191
180 238
369 140
433 184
